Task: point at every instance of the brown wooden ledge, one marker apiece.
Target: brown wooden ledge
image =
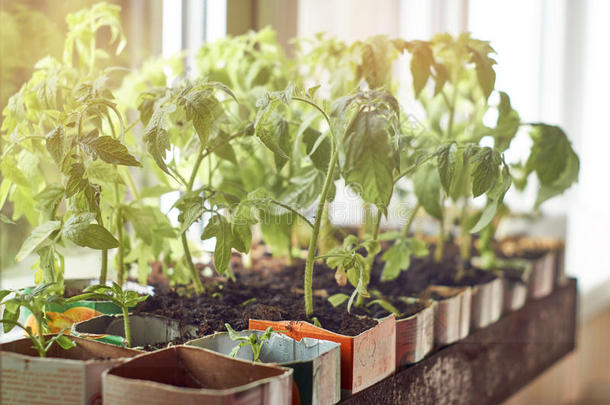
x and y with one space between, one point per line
492 363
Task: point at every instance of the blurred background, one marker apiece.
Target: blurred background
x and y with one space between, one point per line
552 59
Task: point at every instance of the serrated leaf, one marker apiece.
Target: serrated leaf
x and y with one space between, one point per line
318 149
427 187
550 155
507 124
38 236
191 210
242 237
93 236
421 62
55 144
368 164
157 138
76 182
202 108
486 76
49 199
447 159
111 151
11 171
568 176
485 170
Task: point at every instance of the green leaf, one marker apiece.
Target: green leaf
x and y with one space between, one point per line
397 258
553 159
112 151
276 231
507 124
219 227
318 148
202 109
486 75
368 158
76 182
49 199
64 341
418 247
385 305
10 170
55 144
421 61
225 151
94 236
427 187
337 299
157 138
4 293
234 335
38 236
10 315
485 171
447 159
191 210
5 219
242 237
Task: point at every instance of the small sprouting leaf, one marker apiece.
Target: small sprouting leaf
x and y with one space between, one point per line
397 258
507 124
385 305
5 219
111 150
64 341
234 335
38 236
337 299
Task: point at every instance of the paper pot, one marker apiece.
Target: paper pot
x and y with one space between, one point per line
188 375
365 359
70 377
451 314
316 363
542 280
146 329
486 303
415 336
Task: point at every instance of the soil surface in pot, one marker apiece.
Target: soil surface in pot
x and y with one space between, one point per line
237 302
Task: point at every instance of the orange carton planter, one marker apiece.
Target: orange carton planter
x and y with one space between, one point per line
365 359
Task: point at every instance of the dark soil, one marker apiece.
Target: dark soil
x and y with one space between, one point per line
234 304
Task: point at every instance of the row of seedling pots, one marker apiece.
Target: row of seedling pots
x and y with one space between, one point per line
301 364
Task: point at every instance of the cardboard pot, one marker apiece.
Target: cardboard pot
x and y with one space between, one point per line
70 377
188 375
63 316
542 279
486 303
146 329
451 313
415 335
514 285
316 363
365 359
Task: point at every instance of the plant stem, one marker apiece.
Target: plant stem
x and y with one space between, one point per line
126 325
104 269
465 238
185 244
313 242
41 342
370 258
411 217
440 246
121 252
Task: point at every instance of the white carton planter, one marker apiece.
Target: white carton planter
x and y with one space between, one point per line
69 377
189 375
486 303
451 313
316 363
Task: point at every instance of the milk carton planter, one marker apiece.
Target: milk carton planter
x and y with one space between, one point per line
514 285
415 336
71 377
542 280
451 313
188 375
365 359
316 363
146 330
486 303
